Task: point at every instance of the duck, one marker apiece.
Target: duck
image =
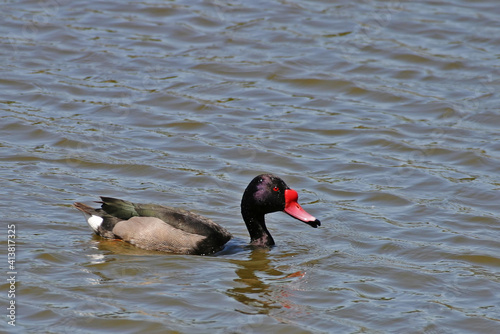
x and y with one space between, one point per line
166 229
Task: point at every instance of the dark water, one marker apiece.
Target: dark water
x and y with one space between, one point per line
383 115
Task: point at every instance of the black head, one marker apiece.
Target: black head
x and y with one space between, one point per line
267 193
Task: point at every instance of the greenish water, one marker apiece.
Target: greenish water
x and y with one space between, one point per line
383 115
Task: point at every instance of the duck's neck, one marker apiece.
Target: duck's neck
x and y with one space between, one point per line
256 225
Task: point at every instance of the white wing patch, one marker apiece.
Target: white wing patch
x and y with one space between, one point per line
94 222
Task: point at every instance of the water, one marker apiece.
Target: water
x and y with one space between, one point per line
383 115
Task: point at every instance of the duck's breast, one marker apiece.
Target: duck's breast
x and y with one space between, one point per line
152 233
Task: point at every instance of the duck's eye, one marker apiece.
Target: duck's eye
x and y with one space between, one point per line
276 189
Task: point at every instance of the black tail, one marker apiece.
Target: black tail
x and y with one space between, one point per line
85 208
104 228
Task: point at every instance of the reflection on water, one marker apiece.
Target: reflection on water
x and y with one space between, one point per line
253 289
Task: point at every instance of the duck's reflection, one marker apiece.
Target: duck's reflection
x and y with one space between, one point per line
259 284
254 291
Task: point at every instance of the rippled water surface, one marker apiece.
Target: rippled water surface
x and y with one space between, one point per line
383 115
